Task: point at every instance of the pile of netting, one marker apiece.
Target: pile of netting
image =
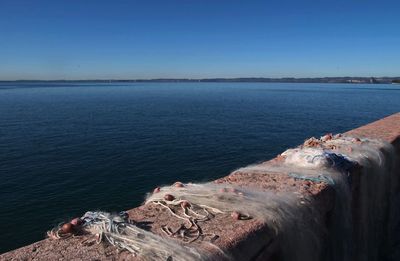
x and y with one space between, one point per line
332 159
199 202
296 222
196 203
119 231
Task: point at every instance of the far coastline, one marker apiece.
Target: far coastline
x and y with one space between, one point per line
357 80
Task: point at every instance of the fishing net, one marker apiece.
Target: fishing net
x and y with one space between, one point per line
196 203
332 160
119 231
295 220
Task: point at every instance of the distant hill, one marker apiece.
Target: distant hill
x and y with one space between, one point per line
244 79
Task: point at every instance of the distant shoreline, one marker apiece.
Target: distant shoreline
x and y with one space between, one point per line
362 80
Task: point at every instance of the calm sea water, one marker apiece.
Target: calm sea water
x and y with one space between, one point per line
66 149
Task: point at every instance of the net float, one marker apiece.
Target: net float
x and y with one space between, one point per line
185 204
76 222
169 197
235 215
178 184
67 228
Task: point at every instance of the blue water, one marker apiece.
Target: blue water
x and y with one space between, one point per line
69 148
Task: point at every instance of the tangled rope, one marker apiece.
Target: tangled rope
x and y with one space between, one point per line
188 207
320 178
119 231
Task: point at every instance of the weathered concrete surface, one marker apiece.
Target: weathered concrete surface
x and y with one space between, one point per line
243 240
387 129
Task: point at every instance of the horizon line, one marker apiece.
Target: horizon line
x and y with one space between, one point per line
203 79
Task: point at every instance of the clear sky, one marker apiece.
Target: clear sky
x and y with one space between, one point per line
96 39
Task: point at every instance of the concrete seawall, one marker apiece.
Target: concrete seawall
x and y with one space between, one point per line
255 240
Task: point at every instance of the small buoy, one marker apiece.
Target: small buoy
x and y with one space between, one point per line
169 197
178 184
235 215
185 204
337 136
67 228
327 137
76 222
156 190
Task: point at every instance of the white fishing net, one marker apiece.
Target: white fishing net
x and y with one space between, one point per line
195 203
119 231
296 222
356 224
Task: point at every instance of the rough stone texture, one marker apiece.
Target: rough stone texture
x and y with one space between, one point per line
243 240
385 129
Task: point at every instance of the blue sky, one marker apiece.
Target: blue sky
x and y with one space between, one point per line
198 39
